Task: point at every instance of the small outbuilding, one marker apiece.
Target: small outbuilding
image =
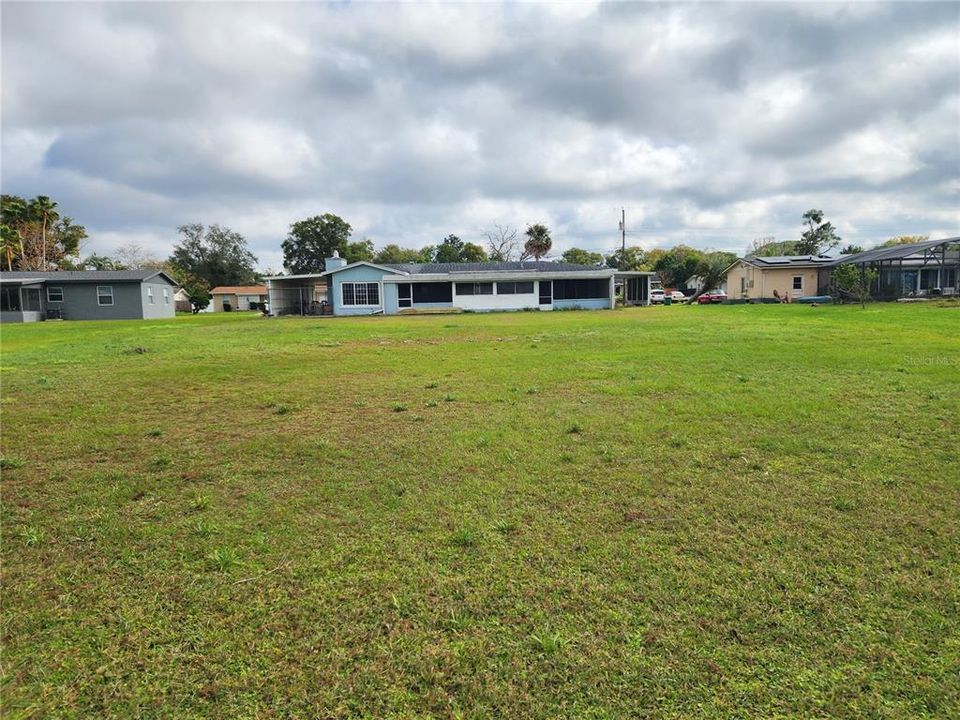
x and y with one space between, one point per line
242 297
181 301
28 296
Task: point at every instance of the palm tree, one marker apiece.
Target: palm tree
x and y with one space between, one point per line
13 216
44 210
538 241
11 244
99 262
711 270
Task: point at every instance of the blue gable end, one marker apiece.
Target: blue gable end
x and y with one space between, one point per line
358 274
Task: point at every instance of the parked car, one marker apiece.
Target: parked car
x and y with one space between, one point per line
656 296
712 296
678 297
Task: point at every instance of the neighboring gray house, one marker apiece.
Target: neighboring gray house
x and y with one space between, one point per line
365 288
86 295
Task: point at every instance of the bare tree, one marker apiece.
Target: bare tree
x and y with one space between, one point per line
501 243
133 257
758 244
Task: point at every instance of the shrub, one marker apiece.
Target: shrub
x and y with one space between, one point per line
855 282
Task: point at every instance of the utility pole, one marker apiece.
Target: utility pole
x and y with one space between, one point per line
623 230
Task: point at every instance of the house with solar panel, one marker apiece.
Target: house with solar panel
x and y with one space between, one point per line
758 279
366 288
917 270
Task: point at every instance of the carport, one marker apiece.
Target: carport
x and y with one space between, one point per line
297 295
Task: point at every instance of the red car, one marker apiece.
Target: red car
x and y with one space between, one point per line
712 296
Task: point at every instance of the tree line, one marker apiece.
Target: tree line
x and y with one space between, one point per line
36 237
311 241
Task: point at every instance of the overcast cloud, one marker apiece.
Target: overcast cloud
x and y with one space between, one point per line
712 124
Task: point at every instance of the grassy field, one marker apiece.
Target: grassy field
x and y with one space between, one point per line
715 512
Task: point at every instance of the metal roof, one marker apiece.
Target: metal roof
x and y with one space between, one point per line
894 252
454 269
788 260
85 275
491 267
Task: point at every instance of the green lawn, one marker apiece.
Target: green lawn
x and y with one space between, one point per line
717 512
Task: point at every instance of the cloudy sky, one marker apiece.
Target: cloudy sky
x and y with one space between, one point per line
712 124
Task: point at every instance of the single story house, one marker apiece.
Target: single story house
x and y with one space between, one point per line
181 301
756 278
27 296
925 269
366 288
242 297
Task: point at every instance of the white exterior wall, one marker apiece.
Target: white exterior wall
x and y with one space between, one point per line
497 302
243 301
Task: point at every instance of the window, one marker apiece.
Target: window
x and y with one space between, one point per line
10 299
514 288
31 299
360 293
475 288
54 294
949 278
104 295
743 284
150 293
581 289
798 282
435 292
166 296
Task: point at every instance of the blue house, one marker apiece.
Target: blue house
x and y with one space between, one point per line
366 288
